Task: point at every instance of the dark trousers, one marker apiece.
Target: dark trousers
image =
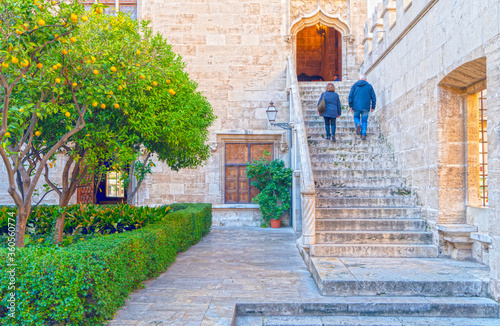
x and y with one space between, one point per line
330 124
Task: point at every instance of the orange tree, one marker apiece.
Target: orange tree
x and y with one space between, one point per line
141 102
29 31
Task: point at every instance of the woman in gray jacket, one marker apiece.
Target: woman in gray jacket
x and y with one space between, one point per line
333 110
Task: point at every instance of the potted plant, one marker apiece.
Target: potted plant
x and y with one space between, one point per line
273 180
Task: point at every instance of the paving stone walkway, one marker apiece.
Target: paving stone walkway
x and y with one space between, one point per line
229 265
254 266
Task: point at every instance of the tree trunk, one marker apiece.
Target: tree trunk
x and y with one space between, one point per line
21 220
59 232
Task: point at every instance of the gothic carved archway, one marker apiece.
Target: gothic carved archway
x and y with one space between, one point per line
333 14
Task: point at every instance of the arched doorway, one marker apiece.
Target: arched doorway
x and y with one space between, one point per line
319 54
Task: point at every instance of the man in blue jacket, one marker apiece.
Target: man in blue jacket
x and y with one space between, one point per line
361 98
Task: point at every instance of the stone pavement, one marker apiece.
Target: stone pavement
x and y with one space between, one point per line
229 265
262 271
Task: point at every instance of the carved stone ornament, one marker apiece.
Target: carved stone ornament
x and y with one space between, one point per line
283 147
213 146
350 38
333 8
287 38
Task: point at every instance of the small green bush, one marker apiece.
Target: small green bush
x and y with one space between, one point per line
274 181
85 283
86 219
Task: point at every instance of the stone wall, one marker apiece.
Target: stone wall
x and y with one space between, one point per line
431 59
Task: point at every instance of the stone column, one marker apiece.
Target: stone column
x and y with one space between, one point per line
367 39
493 75
389 15
377 25
308 216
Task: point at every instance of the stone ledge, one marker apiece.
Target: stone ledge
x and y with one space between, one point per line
236 206
459 238
483 238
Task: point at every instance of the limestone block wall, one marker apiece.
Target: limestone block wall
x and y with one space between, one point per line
425 119
236 51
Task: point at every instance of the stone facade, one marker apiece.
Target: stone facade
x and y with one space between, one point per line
236 51
434 58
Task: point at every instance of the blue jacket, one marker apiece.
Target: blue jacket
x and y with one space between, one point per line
332 101
361 96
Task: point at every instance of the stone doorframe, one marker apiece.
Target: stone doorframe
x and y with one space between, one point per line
328 13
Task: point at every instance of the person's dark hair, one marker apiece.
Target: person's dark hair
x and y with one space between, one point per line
330 87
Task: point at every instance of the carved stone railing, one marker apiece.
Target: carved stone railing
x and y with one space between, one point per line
301 163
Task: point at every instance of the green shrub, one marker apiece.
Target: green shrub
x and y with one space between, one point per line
87 218
274 181
85 283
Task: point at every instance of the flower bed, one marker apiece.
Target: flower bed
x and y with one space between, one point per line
85 283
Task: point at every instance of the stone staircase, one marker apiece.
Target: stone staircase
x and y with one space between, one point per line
373 248
363 205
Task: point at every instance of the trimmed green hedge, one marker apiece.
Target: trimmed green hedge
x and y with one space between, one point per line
87 218
84 284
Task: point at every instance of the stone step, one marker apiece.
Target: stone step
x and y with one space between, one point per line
363 174
377 306
362 192
368 237
346 139
400 201
351 182
339 124
343 148
351 165
374 250
328 224
331 155
362 321
400 277
370 132
386 213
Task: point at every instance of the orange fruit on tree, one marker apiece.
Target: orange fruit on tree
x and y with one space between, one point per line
15 60
39 65
103 106
113 69
138 52
67 114
117 105
142 76
171 91
74 17
25 63
38 133
74 85
55 67
5 65
64 51
85 18
7 134
72 39
41 22
59 65
168 81
94 104
98 10
58 80
18 32
95 71
21 110
155 83
120 87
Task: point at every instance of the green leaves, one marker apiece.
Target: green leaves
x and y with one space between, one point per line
273 180
85 283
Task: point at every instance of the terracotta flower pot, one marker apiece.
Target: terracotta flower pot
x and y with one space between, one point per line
275 223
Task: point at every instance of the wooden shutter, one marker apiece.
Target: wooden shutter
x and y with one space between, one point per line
237 185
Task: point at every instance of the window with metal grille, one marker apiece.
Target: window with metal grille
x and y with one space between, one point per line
128 6
114 185
238 189
483 150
